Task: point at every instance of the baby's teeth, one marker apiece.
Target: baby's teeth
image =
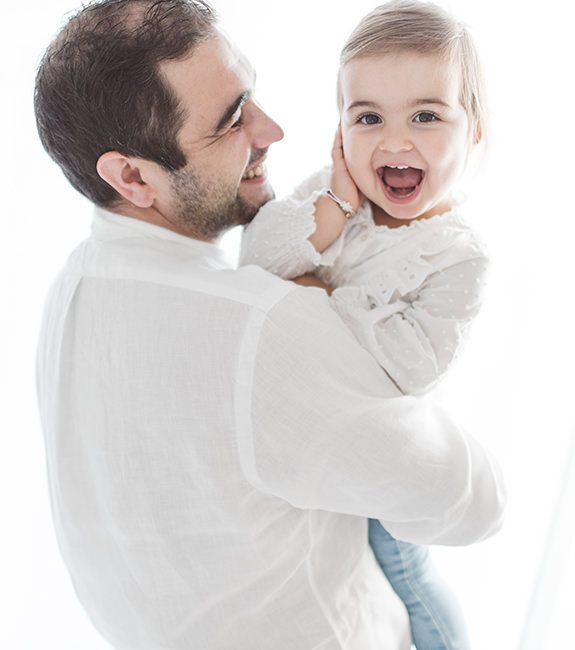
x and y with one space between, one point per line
251 173
258 171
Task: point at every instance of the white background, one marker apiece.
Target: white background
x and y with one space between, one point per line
513 386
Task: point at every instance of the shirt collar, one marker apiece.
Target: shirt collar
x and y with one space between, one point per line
108 225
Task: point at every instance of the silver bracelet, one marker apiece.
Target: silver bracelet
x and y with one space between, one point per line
347 208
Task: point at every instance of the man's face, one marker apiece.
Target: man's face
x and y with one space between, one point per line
225 138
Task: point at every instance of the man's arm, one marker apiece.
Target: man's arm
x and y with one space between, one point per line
310 280
330 431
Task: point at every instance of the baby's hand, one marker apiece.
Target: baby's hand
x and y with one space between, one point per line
342 184
330 217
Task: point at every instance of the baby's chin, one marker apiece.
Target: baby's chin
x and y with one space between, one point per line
381 216
401 212
395 216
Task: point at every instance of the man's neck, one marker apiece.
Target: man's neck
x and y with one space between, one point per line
151 215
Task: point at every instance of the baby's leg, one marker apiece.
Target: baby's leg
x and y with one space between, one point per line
435 616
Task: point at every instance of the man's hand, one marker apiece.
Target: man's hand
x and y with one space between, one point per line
342 184
310 280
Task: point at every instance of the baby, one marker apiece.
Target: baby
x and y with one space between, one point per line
380 232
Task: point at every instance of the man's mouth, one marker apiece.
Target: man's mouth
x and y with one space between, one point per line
254 172
400 182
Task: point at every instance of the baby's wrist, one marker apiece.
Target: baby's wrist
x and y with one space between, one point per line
343 186
345 206
330 222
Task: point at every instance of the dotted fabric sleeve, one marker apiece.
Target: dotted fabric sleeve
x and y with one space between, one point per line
415 332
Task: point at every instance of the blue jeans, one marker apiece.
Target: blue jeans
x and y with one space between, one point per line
435 617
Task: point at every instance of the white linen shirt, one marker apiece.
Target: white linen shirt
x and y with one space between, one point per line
408 293
215 441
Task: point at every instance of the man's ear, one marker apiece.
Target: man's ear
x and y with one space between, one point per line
128 176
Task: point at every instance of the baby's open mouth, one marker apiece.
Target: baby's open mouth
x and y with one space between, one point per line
400 181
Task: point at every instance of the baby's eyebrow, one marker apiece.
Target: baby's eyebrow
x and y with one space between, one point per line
362 103
434 100
365 103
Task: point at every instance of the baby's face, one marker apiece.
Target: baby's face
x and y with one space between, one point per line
405 134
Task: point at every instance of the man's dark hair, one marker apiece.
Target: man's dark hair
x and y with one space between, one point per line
98 86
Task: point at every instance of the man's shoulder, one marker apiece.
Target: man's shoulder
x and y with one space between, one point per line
156 263
255 286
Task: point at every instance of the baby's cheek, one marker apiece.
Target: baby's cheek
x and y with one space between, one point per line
358 161
359 171
447 154
347 142
451 165
354 154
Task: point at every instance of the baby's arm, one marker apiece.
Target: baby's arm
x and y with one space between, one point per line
416 334
293 236
330 218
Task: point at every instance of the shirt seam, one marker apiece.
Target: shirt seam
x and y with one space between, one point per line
262 303
243 394
81 265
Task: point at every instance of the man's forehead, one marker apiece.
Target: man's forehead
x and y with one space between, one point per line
215 54
210 78
233 54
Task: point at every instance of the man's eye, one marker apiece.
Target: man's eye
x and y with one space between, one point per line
425 117
238 122
369 119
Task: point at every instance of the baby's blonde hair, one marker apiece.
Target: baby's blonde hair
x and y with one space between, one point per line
422 27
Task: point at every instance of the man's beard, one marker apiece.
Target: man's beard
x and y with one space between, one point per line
206 210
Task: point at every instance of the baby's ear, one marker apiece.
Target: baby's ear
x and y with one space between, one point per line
478 134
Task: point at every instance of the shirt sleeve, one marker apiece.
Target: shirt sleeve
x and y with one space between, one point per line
330 431
278 237
415 328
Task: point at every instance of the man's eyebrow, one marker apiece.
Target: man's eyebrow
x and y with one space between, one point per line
231 109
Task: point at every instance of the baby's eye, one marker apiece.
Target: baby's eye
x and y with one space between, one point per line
424 117
369 119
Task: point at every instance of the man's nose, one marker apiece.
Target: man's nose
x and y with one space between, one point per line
264 130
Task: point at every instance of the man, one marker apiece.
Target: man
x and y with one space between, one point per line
215 438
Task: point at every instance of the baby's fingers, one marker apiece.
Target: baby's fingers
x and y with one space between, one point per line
337 149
